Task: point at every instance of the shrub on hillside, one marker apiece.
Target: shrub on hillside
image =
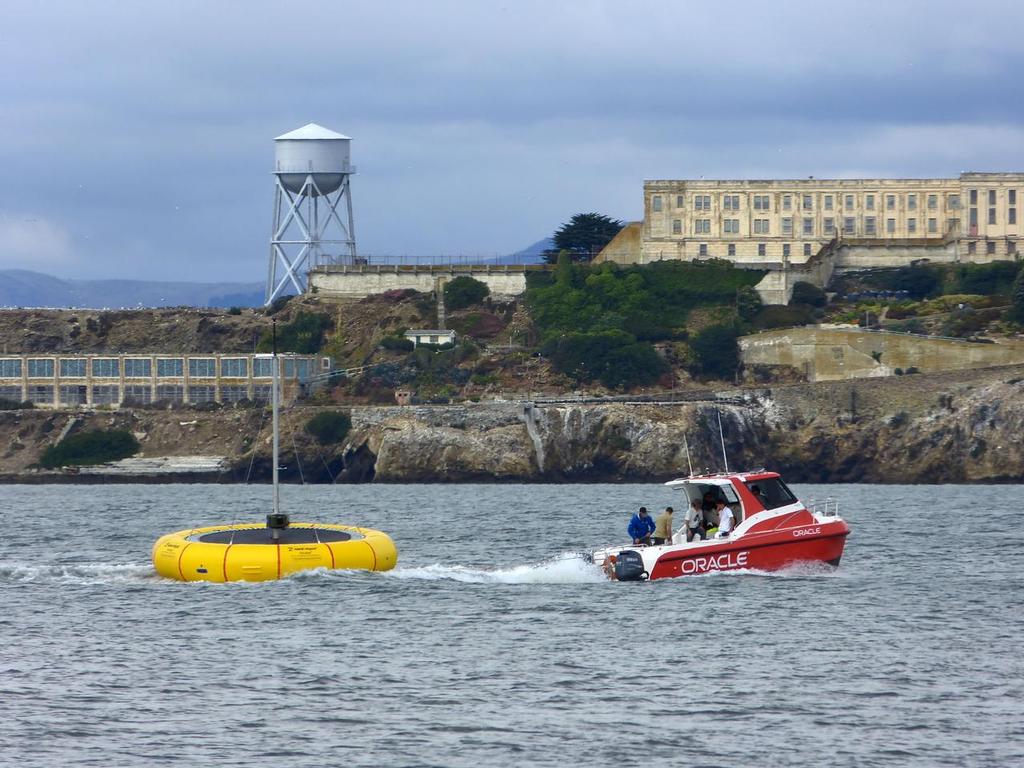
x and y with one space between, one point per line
650 302
7 404
397 343
92 447
479 325
779 316
304 334
396 295
716 352
986 279
1016 310
614 358
919 281
748 303
811 295
278 304
329 427
464 292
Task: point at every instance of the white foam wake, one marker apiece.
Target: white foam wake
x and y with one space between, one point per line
76 573
569 568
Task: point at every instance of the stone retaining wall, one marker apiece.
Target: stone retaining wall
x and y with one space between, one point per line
359 281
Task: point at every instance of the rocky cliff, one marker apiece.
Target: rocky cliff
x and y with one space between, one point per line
943 428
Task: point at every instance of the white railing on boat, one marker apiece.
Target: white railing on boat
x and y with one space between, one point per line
827 508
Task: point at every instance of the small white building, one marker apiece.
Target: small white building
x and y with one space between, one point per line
430 337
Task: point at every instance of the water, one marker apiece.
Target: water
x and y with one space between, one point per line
491 645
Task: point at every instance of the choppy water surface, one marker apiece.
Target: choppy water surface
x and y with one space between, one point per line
490 645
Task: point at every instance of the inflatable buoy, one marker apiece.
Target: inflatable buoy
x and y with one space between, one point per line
254 552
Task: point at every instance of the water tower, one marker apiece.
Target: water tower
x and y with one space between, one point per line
311 178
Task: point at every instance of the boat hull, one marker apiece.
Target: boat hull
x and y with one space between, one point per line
821 542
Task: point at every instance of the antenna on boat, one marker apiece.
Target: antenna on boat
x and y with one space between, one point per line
686 444
276 521
721 436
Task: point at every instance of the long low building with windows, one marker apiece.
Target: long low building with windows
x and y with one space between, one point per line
58 381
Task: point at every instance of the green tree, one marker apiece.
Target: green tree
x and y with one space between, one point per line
1016 311
583 236
464 292
716 352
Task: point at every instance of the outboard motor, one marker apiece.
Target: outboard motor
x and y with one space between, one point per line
629 566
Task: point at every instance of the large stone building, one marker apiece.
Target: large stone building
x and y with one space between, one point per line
805 228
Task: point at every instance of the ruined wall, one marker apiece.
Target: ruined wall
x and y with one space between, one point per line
825 354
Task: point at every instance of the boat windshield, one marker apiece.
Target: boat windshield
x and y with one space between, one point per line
772 492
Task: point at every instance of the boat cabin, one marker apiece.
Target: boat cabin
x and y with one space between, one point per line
745 493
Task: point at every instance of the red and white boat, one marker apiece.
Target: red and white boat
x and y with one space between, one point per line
773 530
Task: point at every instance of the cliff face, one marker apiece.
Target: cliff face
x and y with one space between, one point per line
952 428
526 442
965 436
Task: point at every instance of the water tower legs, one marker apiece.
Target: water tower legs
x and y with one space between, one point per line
305 224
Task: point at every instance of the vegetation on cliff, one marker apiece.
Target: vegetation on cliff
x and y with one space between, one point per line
716 352
597 322
303 334
329 427
927 281
464 292
1016 311
92 447
613 357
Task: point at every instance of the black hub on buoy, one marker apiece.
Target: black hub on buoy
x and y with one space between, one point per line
277 522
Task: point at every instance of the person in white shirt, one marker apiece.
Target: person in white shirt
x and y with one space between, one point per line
695 521
726 519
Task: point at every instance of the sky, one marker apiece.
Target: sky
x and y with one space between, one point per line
136 138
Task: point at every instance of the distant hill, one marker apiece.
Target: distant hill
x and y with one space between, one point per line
23 288
531 254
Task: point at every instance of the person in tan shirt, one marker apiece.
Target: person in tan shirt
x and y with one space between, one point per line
663 528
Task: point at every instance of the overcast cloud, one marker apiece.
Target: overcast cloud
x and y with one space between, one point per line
136 138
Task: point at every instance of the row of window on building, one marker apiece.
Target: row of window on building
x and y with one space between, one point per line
48 394
808 249
106 368
829 202
829 226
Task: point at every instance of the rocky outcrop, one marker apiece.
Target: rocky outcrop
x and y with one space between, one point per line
941 428
969 436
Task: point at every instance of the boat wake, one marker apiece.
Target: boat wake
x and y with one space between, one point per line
77 573
569 568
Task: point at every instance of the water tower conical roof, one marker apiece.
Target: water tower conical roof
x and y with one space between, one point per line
311 131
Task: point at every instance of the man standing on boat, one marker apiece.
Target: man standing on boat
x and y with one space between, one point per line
663 528
695 521
641 527
726 519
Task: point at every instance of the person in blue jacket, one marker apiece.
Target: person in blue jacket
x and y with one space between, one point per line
641 527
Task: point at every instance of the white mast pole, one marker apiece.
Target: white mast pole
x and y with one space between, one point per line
275 395
686 444
721 436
